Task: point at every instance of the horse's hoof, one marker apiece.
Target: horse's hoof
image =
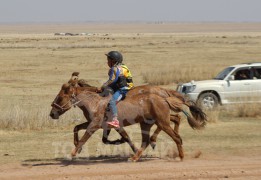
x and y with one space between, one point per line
132 159
70 158
178 159
73 153
79 150
153 145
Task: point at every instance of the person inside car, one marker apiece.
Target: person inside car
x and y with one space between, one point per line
242 75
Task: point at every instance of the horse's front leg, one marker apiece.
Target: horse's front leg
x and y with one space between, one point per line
77 129
145 132
92 127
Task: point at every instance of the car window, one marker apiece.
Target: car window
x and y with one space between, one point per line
224 73
243 74
257 72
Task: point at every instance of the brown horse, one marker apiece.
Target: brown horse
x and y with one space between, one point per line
146 109
162 92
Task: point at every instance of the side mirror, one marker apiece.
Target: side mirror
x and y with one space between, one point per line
231 77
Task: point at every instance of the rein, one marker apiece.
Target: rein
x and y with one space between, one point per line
77 102
54 104
73 100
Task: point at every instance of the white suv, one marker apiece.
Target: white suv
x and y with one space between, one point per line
236 84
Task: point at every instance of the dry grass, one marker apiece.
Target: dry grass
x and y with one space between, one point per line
248 110
175 74
33 66
230 136
245 110
18 117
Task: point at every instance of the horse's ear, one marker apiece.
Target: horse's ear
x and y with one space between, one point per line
74 79
75 74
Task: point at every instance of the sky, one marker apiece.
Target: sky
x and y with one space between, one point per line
37 11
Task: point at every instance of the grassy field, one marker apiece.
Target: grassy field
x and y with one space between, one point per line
34 64
229 137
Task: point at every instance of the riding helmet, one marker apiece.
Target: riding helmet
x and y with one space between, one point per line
115 55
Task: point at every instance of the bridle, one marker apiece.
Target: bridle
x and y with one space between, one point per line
73 99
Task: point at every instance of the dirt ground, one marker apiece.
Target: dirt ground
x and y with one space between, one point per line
148 168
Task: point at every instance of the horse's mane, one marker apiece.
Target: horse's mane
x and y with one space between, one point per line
92 97
85 86
83 83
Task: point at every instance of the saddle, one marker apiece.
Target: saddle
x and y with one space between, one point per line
106 92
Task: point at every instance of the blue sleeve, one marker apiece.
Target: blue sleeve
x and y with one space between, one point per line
116 75
111 74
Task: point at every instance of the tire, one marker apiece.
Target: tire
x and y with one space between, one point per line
208 101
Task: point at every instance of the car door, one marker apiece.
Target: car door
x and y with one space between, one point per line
239 89
256 85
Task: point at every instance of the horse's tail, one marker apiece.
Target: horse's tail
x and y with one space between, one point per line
173 93
198 119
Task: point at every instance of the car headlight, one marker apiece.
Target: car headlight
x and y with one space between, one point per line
188 89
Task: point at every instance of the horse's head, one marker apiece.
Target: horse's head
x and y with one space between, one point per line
66 97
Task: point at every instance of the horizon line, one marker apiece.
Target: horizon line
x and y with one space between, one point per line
124 22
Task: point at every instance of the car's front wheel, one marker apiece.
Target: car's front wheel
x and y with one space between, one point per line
208 101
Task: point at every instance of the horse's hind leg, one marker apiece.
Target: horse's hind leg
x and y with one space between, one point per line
175 118
145 128
153 138
105 135
126 138
167 129
105 139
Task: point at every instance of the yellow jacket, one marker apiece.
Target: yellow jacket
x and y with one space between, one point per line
127 74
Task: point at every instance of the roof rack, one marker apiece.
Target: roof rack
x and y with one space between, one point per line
252 63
